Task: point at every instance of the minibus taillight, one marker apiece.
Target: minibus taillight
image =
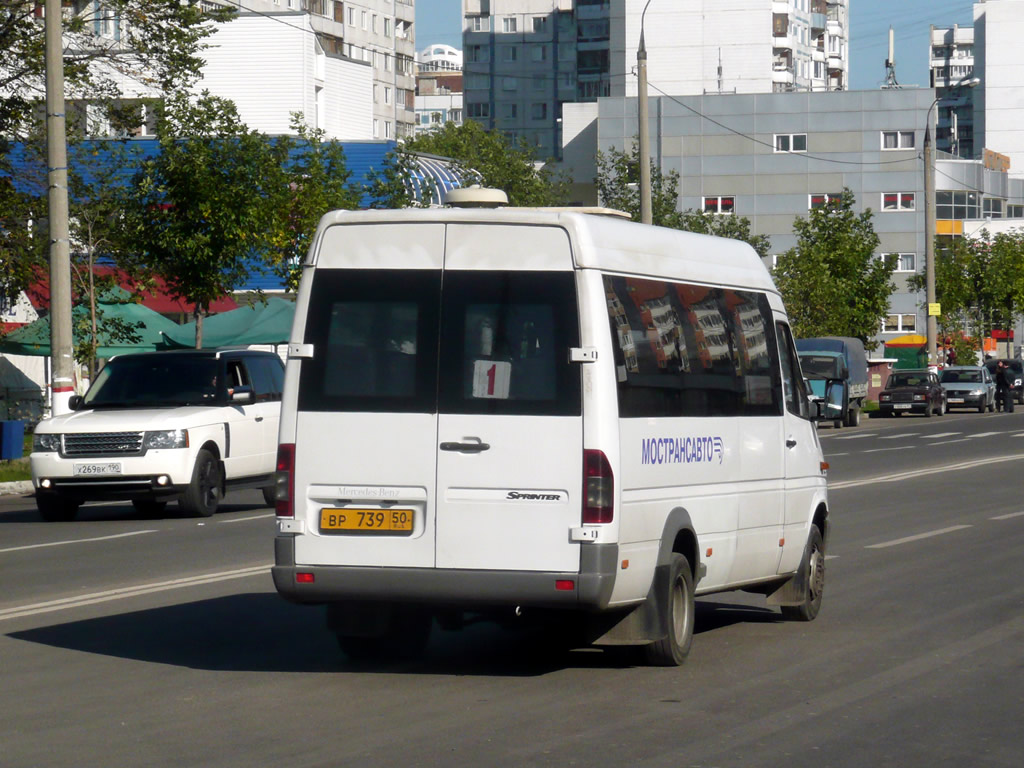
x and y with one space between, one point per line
598 488
284 480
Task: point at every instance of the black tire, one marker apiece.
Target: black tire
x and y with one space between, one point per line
54 509
813 566
929 411
853 417
943 408
837 423
406 637
149 507
992 406
981 408
672 650
269 496
203 494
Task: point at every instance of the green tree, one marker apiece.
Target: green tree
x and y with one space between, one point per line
832 283
206 209
317 181
390 187
489 156
22 250
617 181
158 42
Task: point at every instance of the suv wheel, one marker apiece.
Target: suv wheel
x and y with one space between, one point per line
54 509
204 492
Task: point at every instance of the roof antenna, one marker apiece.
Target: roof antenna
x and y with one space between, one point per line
890 63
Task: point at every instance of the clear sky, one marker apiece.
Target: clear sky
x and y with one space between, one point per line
440 21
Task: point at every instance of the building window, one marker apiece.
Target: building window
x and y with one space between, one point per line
387 27
508 24
376 128
483 109
566 52
821 199
906 262
539 53
387 95
509 53
897 139
719 204
480 23
1015 211
539 82
476 53
539 111
509 84
510 111
364 18
899 323
898 201
957 204
540 23
992 208
455 115
791 142
351 16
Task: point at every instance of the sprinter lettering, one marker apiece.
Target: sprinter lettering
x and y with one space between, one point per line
518 495
682 450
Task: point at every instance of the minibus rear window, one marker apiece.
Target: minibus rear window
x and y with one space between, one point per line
374 336
505 343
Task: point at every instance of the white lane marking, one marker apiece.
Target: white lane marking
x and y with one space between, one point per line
75 541
899 437
880 450
947 442
921 472
919 536
1007 517
1017 434
985 434
248 517
857 436
124 592
937 435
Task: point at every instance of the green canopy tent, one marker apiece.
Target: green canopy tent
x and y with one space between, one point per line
34 338
269 323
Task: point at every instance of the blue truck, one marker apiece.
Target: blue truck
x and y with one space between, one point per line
831 358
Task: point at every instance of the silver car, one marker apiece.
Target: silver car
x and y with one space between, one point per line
969 386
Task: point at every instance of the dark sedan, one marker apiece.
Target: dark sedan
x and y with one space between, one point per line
917 391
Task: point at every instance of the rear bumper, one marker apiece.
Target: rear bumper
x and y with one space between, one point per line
449 588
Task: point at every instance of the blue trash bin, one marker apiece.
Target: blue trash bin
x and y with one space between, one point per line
12 439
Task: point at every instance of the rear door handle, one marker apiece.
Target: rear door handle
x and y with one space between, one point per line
465 447
790 442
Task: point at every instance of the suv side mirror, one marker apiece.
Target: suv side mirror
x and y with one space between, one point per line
243 395
75 402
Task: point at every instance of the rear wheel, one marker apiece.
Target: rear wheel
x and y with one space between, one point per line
204 492
54 509
678 608
813 570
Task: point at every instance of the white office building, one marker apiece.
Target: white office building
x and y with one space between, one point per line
998 106
524 59
438 87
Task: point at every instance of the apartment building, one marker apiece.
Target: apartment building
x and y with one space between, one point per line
524 59
951 62
998 107
380 33
773 157
438 87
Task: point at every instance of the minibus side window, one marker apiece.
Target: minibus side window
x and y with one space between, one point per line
692 350
792 381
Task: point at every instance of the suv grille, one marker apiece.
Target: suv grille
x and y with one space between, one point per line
103 444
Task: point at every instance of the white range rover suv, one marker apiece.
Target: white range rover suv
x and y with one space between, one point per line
161 426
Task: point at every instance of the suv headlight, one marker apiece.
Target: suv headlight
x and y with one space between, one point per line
43 443
166 438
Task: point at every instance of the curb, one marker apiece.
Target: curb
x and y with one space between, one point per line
17 487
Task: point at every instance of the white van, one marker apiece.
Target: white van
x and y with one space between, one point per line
541 412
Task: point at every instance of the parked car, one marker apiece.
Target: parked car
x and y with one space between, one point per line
1018 375
914 391
160 426
969 386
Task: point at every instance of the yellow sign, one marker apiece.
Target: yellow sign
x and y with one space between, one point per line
934 310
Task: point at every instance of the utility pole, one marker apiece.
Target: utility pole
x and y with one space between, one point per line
929 239
61 382
643 150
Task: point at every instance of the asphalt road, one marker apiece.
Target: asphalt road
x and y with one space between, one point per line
127 641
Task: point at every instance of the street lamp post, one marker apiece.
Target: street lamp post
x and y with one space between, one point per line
929 223
643 145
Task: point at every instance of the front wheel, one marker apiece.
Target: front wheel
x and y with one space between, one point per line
678 608
203 494
54 509
813 570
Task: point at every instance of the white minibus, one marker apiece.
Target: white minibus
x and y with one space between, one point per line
545 413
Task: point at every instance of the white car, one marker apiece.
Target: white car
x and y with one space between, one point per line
160 426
